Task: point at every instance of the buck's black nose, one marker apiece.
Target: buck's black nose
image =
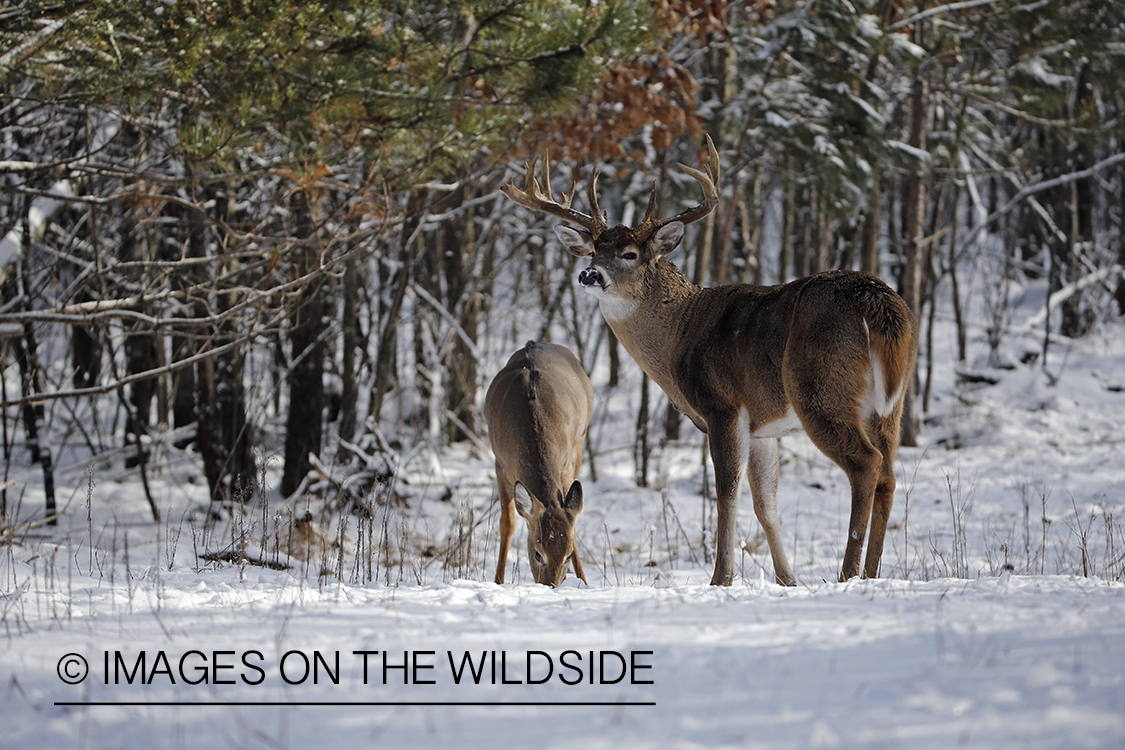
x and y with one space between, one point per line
590 277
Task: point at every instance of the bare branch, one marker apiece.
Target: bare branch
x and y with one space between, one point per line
101 390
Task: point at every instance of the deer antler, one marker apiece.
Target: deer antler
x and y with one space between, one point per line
708 179
533 197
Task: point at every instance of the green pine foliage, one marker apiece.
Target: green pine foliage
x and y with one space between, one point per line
429 81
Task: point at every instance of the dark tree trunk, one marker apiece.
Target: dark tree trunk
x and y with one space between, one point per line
303 425
457 240
1077 319
186 390
349 323
86 355
386 354
140 356
224 435
208 431
25 351
1119 291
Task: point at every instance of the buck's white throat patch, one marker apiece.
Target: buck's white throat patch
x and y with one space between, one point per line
613 307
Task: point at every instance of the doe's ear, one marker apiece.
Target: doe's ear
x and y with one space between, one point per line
577 242
667 238
525 501
573 502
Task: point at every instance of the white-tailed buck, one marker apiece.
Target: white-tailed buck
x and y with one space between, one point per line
830 354
538 409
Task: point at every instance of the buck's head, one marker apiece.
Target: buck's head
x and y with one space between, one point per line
622 258
622 261
550 531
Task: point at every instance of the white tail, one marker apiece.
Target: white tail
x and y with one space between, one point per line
830 354
538 409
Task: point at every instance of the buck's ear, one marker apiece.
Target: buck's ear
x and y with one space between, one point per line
666 238
576 242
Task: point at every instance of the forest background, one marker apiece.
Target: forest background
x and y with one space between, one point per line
259 229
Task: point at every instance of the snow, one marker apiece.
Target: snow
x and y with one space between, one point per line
916 153
1038 69
41 211
989 629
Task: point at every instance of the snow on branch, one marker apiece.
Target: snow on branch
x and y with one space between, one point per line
1062 295
951 8
1038 187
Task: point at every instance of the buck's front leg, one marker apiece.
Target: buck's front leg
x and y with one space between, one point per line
729 455
763 471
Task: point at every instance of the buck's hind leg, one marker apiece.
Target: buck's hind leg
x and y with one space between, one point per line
828 404
862 467
847 444
884 433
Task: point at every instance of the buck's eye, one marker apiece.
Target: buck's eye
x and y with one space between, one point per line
538 556
630 255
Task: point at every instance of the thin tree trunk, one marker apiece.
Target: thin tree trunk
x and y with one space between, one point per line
788 209
614 357
912 267
31 373
752 229
641 444
1119 292
869 239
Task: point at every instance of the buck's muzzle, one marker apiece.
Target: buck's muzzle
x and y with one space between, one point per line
590 277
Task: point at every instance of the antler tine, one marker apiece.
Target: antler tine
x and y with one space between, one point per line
547 177
567 197
650 212
595 209
708 179
533 197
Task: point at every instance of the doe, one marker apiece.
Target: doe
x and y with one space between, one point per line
538 409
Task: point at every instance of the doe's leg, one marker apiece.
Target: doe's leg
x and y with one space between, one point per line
507 523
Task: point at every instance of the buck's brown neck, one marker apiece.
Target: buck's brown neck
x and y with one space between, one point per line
651 332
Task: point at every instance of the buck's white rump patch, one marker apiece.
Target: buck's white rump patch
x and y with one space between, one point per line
875 397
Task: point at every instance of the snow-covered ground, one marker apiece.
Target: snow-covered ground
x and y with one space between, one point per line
999 623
